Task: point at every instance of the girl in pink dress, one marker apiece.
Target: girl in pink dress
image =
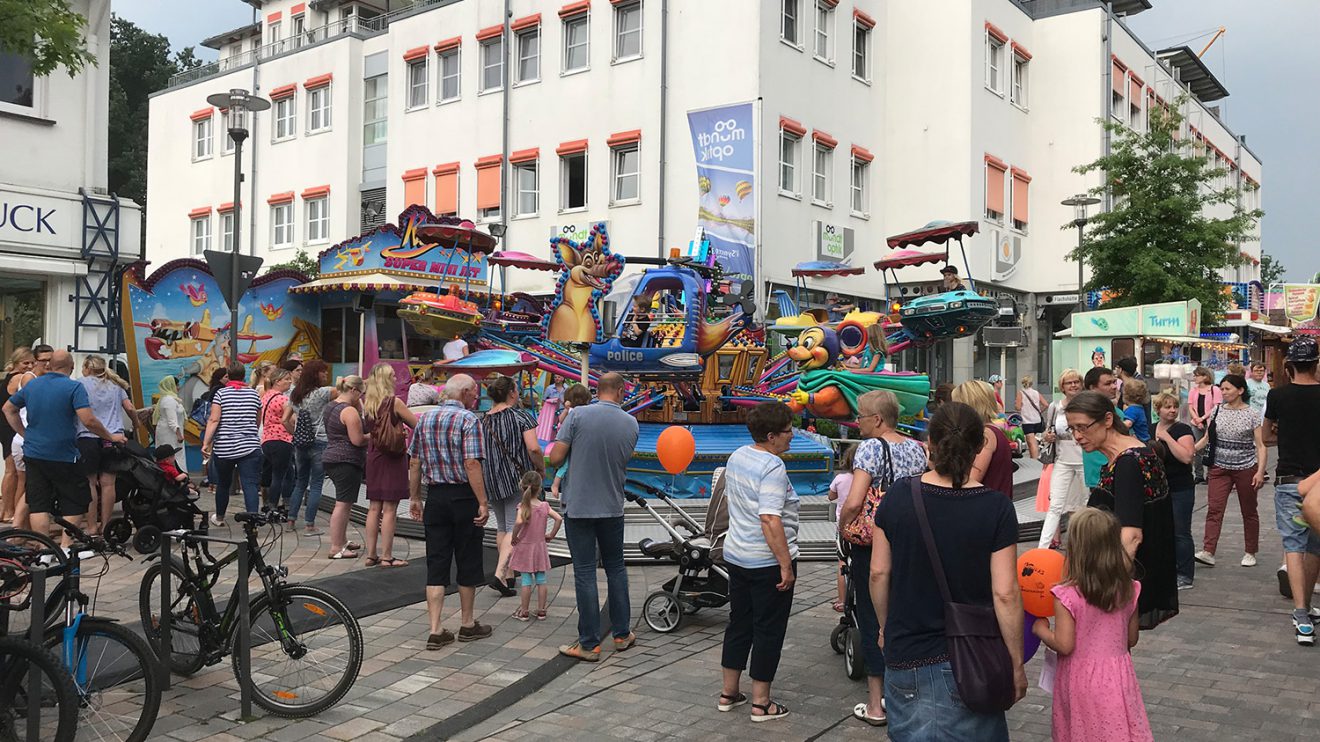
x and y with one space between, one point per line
531 556
1096 695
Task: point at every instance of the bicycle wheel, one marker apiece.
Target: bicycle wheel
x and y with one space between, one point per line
51 691
31 548
116 677
186 655
325 657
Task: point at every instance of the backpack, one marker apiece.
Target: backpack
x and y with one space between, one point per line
859 531
304 428
201 409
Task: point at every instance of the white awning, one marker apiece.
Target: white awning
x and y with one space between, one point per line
1272 329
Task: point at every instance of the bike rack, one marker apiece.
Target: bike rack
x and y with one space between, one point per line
244 649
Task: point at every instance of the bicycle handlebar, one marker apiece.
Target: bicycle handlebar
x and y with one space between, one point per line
81 540
264 518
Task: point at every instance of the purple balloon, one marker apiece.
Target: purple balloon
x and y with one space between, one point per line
1030 642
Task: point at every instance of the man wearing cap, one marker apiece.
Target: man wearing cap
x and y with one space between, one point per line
997 382
838 308
951 280
1290 413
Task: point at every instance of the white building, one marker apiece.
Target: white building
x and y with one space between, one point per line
61 231
872 117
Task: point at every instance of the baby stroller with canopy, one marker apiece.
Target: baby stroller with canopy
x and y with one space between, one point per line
702 581
152 502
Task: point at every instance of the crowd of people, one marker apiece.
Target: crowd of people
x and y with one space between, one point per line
931 529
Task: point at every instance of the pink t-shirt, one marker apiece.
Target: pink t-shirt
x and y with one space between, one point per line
841 486
272 412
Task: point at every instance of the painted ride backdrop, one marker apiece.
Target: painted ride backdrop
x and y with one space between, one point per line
397 252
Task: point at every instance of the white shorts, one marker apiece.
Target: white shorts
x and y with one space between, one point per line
16 451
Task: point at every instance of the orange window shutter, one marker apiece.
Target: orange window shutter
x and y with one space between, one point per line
446 193
1020 188
994 188
1134 92
488 187
1120 78
414 192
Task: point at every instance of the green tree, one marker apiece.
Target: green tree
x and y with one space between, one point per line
302 262
46 33
1271 270
1157 242
140 64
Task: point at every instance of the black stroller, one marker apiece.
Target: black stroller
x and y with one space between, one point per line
846 638
152 502
701 581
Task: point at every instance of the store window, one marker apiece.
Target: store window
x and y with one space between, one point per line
389 332
22 313
340 335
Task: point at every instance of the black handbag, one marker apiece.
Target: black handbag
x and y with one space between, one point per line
982 666
1208 458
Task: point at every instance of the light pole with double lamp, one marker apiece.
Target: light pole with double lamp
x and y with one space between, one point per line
1080 203
239 103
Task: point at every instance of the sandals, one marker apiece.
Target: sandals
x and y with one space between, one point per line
389 562
780 711
371 561
729 703
344 553
837 606
540 614
522 614
859 712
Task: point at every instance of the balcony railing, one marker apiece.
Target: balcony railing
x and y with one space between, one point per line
355 26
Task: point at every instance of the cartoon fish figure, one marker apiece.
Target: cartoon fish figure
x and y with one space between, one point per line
195 292
743 189
271 311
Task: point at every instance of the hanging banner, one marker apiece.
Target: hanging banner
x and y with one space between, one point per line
1300 304
723 140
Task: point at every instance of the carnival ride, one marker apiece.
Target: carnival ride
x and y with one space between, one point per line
950 314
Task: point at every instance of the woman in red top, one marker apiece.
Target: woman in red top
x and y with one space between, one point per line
994 465
276 441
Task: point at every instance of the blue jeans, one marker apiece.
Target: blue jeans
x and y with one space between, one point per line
1183 545
923 706
310 479
249 477
587 536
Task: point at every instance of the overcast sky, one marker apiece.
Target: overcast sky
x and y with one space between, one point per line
1269 60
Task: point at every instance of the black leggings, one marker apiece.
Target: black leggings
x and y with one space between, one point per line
758 620
279 457
863 610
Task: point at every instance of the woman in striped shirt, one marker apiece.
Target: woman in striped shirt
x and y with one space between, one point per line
233 439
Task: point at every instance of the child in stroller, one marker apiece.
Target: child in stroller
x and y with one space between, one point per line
155 496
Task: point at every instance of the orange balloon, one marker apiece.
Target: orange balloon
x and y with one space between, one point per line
675 447
1038 571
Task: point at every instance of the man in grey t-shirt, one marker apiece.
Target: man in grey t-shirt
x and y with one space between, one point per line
597 441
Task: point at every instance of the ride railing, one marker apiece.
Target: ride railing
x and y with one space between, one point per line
345 26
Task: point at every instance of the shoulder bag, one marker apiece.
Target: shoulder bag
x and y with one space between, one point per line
859 530
1049 451
388 432
982 667
1208 458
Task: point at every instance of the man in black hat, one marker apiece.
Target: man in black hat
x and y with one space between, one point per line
951 280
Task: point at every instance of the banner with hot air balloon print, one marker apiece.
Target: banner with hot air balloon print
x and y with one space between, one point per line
724 140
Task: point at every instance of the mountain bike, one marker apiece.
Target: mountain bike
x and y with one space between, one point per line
306 647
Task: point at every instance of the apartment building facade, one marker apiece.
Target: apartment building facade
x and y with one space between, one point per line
869 119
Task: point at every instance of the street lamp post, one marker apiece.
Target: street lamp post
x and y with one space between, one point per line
239 103
1080 203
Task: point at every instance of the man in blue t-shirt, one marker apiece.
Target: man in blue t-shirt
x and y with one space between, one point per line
55 403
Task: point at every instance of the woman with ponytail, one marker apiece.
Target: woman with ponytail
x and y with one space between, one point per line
108 395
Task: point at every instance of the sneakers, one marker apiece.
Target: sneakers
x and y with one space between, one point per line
624 643
1285 587
217 522
474 632
1184 584
1248 560
1305 627
439 641
1205 557
576 651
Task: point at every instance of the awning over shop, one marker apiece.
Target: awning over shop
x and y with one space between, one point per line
1199 342
1271 329
362 282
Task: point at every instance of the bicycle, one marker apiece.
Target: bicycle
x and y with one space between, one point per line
306 647
38 699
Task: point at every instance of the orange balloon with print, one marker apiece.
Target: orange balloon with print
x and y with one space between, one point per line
675 447
1038 571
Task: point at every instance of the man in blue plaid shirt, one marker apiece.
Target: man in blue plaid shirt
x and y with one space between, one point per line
446 451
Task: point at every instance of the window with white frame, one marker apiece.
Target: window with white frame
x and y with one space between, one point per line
861 59
375 109
628 30
417 83
227 231
202 138
1134 109
281 225
17 83
318 219
449 75
492 64
823 45
529 55
573 181
286 114
201 234
273 36
577 49
299 28
1118 100
994 63
527 189
861 170
822 162
1019 89
226 141
626 172
790 158
318 109
789 14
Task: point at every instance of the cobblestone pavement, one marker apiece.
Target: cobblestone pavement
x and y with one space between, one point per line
1226 668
